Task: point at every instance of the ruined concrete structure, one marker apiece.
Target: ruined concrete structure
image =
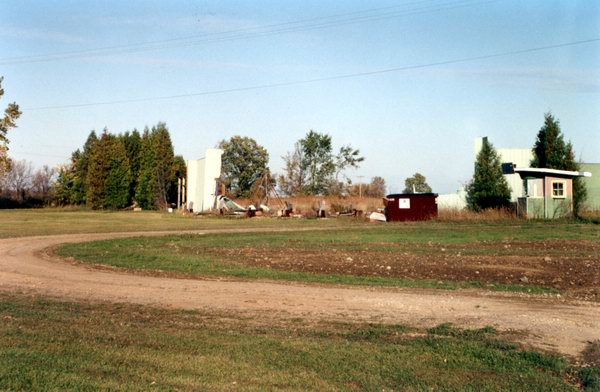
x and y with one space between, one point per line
202 176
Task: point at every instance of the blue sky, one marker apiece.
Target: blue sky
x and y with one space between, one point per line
420 119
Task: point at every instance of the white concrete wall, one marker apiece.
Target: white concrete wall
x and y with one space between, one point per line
453 201
201 180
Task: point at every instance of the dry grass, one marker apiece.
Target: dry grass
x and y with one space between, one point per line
456 214
309 205
591 213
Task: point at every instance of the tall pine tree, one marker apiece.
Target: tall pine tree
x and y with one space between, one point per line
157 168
551 152
108 174
144 195
488 188
80 163
165 165
133 146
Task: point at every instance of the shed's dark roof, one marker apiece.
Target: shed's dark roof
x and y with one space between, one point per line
411 195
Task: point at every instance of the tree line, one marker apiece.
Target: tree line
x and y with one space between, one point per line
114 171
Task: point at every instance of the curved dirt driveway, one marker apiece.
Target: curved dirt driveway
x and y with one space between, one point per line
555 324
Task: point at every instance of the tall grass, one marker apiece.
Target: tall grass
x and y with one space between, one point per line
490 215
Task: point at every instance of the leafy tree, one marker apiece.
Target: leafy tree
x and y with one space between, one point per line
43 182
345 159
313 169
417 183
7 122
291 183
488 188
376 188
317 162
108 174
18 179
550 151
243 162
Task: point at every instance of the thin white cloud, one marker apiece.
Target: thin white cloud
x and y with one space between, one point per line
40 35
540 78
200 24
166 62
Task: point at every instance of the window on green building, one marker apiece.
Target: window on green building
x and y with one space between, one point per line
558 189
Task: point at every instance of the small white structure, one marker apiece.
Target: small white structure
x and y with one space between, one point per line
453 201
202 175
521 157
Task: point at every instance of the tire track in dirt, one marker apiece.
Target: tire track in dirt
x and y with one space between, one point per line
562 325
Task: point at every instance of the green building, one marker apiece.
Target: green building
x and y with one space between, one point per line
548 193
593 185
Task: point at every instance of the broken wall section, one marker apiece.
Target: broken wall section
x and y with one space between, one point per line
202 175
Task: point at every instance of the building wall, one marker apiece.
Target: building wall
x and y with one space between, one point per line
540 206
518 156
201 180
453 201
592 184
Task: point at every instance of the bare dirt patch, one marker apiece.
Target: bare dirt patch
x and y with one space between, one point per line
572 266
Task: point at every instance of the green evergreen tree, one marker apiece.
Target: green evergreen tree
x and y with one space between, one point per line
243 162
165 165
63 188
80 160
551 152
118 179
144 195
488 188
157 176
133 146
180 170
108 174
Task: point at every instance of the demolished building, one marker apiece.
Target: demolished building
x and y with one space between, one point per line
202 181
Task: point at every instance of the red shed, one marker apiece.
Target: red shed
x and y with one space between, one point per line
411 206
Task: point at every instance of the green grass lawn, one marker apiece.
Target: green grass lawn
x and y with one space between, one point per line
51 345
48 221
194 255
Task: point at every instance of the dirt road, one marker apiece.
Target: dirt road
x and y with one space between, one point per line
556 324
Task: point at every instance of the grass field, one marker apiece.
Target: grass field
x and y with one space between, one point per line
47 344
19 223
523 256
51 345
